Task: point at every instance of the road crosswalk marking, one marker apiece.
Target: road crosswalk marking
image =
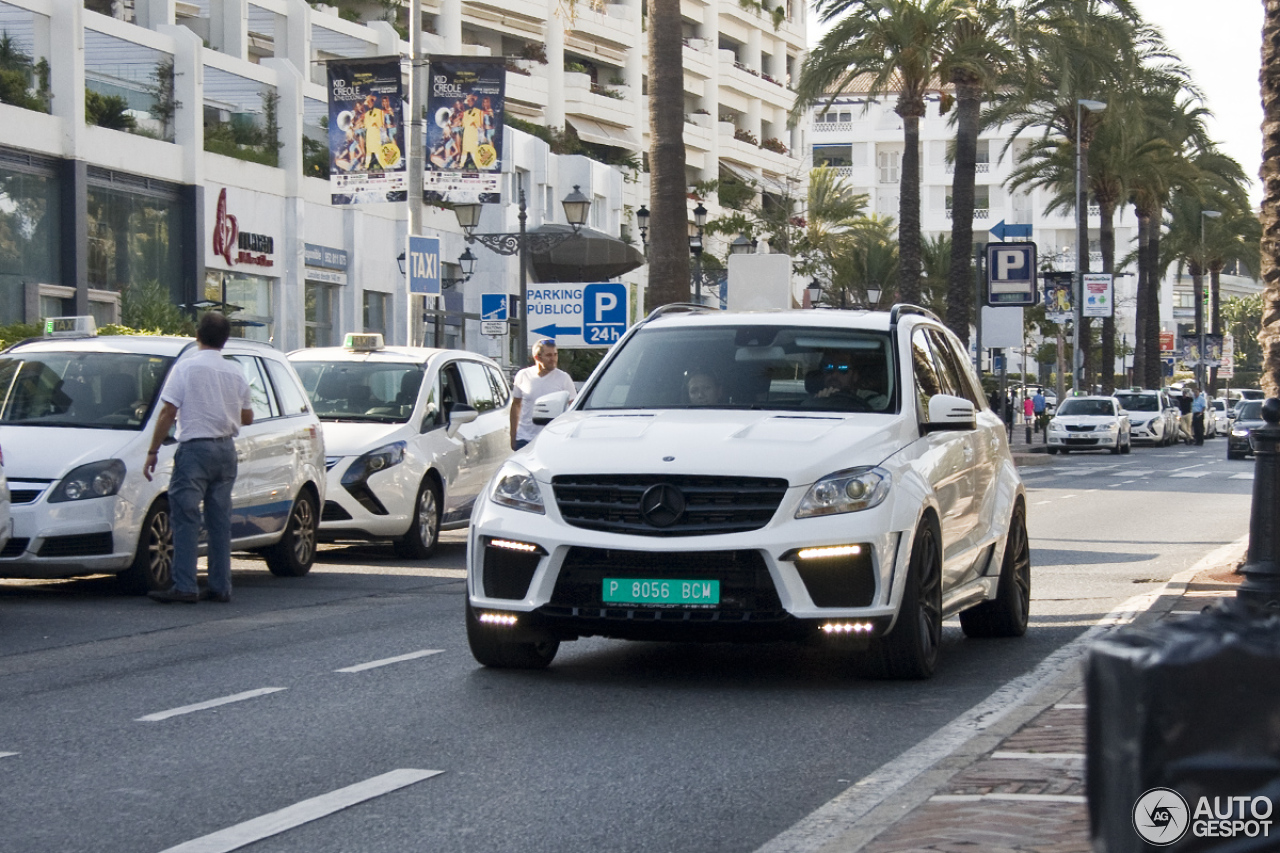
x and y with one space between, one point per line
291 817
1193 475
7 754
212 703
373 664
1241 477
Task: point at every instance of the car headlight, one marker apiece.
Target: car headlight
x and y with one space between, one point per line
95 480
1112 427
845 491
1240 433
516 488
1151 424
374 461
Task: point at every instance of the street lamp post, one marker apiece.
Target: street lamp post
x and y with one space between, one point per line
814 292
695 247
576 205
1082 245
1202 366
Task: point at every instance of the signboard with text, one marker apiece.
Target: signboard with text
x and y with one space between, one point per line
422 265
1011 274
1098 299
579 316
1057 296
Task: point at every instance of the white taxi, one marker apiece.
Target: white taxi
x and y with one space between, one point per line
412 435
1090 423
77 412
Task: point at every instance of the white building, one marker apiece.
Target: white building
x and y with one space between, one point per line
86 211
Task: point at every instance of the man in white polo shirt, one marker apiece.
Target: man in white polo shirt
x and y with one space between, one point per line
208 396
543 377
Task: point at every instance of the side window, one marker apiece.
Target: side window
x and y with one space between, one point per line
479 391
431 415
260 398
501 393
451 391
293 400
928 383
951 371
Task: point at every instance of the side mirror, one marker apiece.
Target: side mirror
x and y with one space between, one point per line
461 414
548 407
949 413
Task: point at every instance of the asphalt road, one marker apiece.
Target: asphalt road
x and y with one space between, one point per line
131 727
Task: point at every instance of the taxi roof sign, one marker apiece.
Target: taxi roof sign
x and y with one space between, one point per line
70 327
367 342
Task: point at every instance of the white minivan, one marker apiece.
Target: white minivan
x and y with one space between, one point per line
412 436
77 412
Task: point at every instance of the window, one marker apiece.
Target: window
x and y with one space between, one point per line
29 220
888 163
293 401
479 391
318 320
375 311
251 294
261 400
134 232
832 155
501 393
928 382
952 369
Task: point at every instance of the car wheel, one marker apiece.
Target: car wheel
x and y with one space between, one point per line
910 650
1115 451
293 555
1128 446
153 562
1231 454
1006 615
491 647
424 528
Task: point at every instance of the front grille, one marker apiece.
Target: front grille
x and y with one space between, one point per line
843 581
14 548
1081 442
507 573
611 503
746 589
334 512
80 545
1077 428
24 496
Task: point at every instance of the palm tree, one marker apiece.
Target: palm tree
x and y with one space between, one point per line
668 231
1269 335
898 44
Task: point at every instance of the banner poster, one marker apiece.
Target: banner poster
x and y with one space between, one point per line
1098 301
464 130
1191 349
366 132
1057 296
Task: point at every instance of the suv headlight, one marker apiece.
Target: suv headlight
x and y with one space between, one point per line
374 461
516 488
95 480
852 490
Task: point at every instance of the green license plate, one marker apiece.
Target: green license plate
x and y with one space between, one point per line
642 591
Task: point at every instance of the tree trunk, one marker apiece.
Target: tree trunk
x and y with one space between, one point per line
1107 242
1155 373
909 263
1269 336
959 276
1082 265
1140 350
668 190
1215 323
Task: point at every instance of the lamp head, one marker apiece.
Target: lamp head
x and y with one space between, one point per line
1212 214
576 205
700 216
1091 106
742 246
814 292
468 217
400 261
467 261
642 222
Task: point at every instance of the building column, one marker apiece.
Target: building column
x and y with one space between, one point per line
555 66
66 73
229 27
296 29
153 14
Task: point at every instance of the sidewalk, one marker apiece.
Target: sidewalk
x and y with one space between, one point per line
1027 453
1022 790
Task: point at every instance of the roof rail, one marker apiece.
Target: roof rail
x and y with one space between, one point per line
676 308
906 308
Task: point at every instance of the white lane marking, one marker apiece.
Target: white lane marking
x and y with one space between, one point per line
1240 477
1192 475
212 703
7 754
1064 497
1070 706
1189 467
1021 798
1138 472
1038 503
1115 485
373 664
841 814
291 817
1033 756
400 571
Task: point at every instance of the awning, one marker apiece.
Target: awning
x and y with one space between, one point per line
603 134
591 256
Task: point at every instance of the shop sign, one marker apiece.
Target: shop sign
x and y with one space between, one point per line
325 264
236 246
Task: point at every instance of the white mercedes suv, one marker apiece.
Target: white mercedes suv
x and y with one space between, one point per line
780 475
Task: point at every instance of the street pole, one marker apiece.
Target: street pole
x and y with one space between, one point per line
1082 247
414 128
1261 586
1202 298
979 252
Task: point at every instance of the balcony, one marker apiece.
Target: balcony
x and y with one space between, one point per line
823 128
581 100
979 168
978 213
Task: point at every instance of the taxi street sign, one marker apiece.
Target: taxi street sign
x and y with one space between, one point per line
493 306
578 316
1011 275
422 263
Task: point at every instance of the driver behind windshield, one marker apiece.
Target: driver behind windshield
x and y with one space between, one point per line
842 380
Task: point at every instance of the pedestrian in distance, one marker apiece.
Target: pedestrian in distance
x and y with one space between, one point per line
1028 415
1184 417
542 378
1038 405
1199 403
208 396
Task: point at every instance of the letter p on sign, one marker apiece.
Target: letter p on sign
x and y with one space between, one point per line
1007 262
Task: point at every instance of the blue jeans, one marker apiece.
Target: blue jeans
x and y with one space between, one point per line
203 470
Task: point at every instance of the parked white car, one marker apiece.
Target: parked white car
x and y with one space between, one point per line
1090 423
76 420
1153 417
838 476
412 435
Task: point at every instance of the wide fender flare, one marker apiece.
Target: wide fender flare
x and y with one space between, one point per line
913 499
1008 491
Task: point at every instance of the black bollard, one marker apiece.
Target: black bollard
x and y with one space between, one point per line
1261 586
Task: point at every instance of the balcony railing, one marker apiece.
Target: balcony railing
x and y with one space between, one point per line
978 213
979 168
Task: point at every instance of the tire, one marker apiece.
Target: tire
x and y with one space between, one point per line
1115 451
293 555
491 648
153 562
1006 615
910 650
1231 454
420 541
1128 447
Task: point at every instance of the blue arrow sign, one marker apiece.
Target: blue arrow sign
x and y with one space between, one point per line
1011 232
554 331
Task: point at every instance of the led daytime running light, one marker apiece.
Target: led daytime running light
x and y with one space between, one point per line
832 551
505 619
512 546
847 628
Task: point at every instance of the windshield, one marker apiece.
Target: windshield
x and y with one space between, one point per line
1139 402
95 390
1087 407
361 391
750 367
1251 410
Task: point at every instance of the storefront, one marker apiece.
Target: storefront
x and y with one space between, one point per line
242 272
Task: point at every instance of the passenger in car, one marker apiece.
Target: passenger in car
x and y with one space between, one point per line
703 389
838 380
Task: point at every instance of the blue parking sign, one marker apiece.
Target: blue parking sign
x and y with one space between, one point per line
604 313
1011 275
493 306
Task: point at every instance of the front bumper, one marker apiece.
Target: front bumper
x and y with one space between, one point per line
58 540
380 507
1084 440
1239 444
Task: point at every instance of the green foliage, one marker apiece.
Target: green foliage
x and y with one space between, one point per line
164 105
567 141
1242 317
315 158
148 305
579 363
244 139
21 83
15 332
110 111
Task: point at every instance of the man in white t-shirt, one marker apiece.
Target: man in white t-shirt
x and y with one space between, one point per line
530 384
